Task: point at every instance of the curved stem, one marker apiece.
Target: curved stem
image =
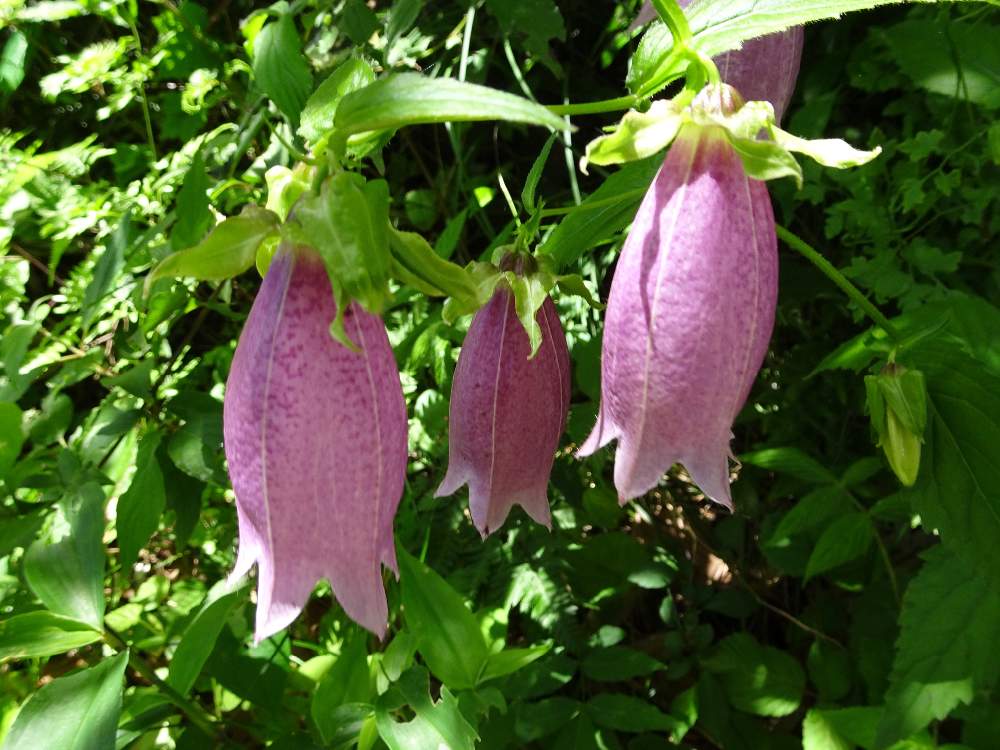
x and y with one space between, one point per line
802 247
594 108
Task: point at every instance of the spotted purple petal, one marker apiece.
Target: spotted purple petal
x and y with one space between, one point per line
688 319
507 413
315 436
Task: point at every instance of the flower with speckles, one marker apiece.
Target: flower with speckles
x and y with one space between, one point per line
315 436
507 413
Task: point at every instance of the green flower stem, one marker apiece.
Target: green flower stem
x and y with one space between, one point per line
672 15
193 711
594 108
813 256
588 205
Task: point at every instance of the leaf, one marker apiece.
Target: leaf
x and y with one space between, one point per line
949 57
142 504
511 660
12 62
358 21
603 213
637 135
757 679
348 681
65 568
625 713
19 530
791 461
280 68
946 651
42 633
193 214
819 734
435 725
199 638
448 635
76 712
958 488
619 663
844 540
11 435
109 265
321 108
417 258
411 99
813 510
227 251
535 174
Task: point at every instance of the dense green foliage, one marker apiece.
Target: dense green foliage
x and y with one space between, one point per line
834 609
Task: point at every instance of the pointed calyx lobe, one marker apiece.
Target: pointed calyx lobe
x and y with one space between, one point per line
315 437
689 318
507 412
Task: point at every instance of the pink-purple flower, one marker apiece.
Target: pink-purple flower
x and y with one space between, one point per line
689 317
507 413
316 440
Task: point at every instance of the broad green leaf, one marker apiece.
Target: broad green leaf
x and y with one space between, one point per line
618 664
12 61
199 638
109 265
65 568
533 721
511 660
411 99
792 461
958 488
626 713
434 725
448 635
953 58
811 511
75 712
946 651
857 725
348 681
142 504
280 68
819 734
846 539
42 633
19 530
320 109
359 22
757 679
11 435
579 734
603 213
194 217
227 251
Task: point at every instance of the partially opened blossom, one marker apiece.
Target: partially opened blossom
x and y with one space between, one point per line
763 69
507 413
315 436
689 316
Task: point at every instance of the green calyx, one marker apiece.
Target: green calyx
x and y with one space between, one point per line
897 404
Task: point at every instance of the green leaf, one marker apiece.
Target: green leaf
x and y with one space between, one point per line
448 635
757 679
819 734
844 540
358 21
813 510
348 681
530 293
946 651
193 214
411 99
619 663
199 637
958 488
280 68
65 568
227 251
12 60
512 659
791 461
535 174
435 275
766 160
42 633
626 713
949 57
142 504
76 712
11 435
321 108
830 152
109 265
19 530
602 215
435 725
637 136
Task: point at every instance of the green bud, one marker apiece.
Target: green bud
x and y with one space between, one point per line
897 403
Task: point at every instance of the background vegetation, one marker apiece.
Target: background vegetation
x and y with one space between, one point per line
832 610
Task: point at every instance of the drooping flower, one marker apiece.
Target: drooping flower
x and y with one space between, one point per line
764 69
689 317
507 413
315 436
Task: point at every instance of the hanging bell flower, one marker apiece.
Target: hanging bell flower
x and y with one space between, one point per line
315 436
507 413
689 316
